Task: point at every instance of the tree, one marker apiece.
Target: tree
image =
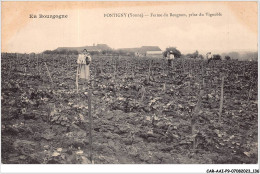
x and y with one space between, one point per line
175 51
232 55
103 52
216 57
227 57
75 52
63 51
47 52
194 55
94 53
201 56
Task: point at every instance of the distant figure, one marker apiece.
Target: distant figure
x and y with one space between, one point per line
209 56
83 62
170 58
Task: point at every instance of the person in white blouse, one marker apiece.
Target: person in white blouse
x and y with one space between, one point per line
209 56
83 72
170 58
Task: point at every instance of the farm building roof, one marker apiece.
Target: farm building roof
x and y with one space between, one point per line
144 49
98 47
130 49
154 52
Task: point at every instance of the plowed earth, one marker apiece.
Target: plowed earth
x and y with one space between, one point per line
141 111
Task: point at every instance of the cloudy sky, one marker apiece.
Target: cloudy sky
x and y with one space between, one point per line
235 30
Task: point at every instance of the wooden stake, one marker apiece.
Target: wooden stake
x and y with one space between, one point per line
221 98
37 65
202 69
10 64
29 61
183 68
194 115
70 59
189 88
90 126
115 69
101 68
67 60
17 60
164 87
249 94
142 92
77 79
49 74
149 72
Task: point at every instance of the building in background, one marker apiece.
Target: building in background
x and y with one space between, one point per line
94 48
149 51
156 54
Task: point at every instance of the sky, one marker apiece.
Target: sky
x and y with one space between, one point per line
234 30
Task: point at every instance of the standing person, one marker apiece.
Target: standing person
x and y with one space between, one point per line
209 56
170 58
83 72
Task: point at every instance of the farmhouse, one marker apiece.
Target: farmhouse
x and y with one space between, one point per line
98 48
158 54
148 51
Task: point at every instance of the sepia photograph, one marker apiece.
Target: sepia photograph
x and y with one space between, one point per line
116 82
